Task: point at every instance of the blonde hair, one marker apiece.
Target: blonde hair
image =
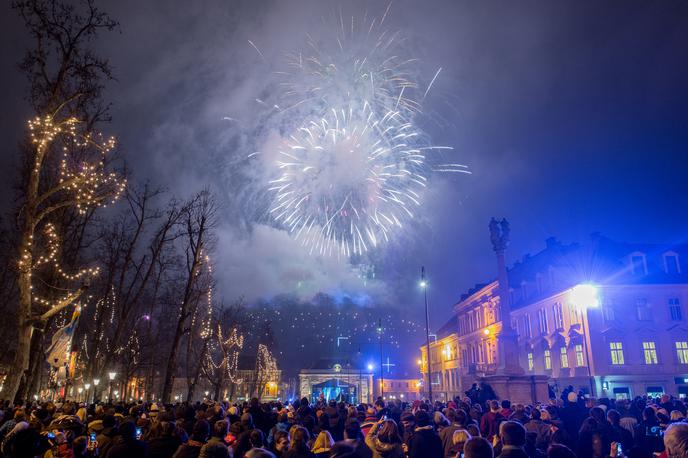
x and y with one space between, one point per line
676 415
460 436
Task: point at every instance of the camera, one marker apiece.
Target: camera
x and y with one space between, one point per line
654 431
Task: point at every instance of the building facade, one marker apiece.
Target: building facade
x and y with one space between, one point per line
404 389
444 364
606 317
337 379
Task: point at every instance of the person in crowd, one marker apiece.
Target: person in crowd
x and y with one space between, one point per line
647 433
424 443
560 451
478 447
459 439
192 447
298 448
354 437
280 443
281 425
618 433
676 440
165 437
447 433
384 441
126 445
512 437
541 430
214 449
489 423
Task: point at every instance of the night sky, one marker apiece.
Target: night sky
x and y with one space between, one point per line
572 117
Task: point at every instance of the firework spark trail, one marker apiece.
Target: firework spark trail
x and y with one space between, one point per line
352 166
257 50
432 82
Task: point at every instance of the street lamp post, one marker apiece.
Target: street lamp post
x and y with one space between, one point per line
424 285
382 375
96 382
111 376
370 370
583 297
87 386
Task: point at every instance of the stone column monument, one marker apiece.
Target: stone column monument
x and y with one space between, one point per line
510 381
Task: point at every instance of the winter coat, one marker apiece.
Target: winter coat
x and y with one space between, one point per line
542 431
512 452
129 448
425 443
189 450
489 424
163 447
447 438
381 449
293 453
105 440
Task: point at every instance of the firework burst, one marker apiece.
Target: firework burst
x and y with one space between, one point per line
353 164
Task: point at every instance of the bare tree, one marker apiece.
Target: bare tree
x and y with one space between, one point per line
199 220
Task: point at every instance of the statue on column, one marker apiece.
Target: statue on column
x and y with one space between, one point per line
507 340
499 234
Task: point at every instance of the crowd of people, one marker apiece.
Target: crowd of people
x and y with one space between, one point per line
569 427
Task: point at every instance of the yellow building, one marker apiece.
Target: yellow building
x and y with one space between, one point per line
444 364
404 389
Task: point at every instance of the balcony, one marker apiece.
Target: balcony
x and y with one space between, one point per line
482 369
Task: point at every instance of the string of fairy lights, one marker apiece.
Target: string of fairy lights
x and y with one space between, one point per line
89 184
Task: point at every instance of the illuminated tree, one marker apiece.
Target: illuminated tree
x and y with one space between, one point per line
66 162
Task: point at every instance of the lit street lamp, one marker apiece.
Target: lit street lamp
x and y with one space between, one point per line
111 376
424 285
87 386
583 297
96 382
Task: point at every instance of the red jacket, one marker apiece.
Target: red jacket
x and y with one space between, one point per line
489 424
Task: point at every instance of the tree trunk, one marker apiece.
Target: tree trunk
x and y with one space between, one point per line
20 362
29 383
171 370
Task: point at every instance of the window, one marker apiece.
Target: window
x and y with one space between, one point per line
675 309
671 265
564 358
642 310
542 321
528 325
558 316
609 310
548 360
682 352
531 364
575 314
650 352
638 265
579 355
616 351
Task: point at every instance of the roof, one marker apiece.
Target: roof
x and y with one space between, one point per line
599 260
450 327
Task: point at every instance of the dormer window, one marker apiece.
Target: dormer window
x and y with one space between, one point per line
671 265
638 263
540 282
